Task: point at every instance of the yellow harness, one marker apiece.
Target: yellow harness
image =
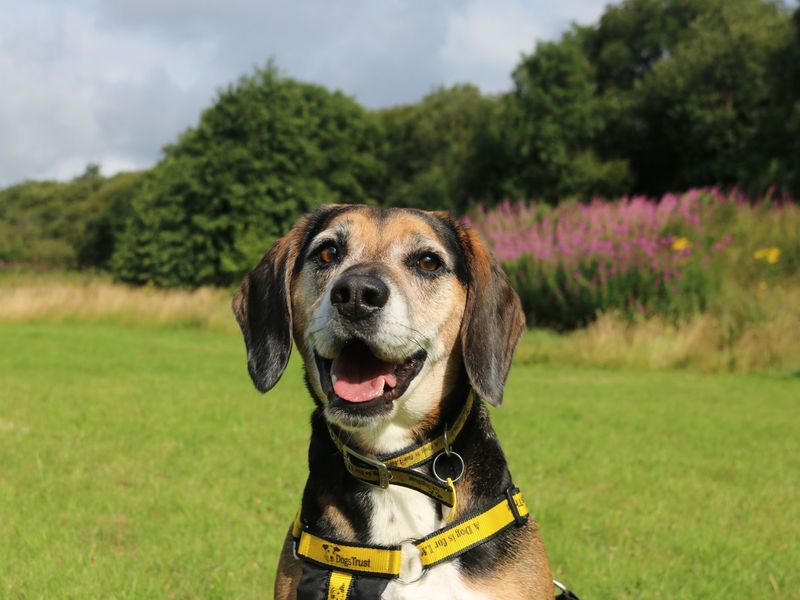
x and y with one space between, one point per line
341 560
341 567
346 559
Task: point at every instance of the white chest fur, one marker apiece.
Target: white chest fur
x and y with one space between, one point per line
441 582
400 515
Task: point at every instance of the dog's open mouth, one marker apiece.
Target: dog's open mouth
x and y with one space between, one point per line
358 377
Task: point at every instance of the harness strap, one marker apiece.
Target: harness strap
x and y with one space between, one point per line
397 468
472 530
336 570
317 583
443 544
339 585
353 558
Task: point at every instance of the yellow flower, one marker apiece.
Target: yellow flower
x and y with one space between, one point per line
770 254
681 243
762 285
773 255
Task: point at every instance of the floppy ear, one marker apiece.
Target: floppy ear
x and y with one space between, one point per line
493 320
263 310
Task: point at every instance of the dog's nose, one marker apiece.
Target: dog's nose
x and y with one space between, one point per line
357 296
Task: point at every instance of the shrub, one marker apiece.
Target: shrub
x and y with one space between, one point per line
673 256
41 221
107 211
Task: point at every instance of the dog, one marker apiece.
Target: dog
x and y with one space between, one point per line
406 325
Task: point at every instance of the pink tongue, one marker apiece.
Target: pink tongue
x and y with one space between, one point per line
360 377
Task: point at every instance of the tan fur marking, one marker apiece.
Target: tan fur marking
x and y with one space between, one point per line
524 572
239 303
344 529
449 339
289 572
377 237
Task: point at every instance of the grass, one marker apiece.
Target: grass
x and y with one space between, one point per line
138 462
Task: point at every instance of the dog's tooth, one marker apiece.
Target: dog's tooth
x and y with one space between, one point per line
333 379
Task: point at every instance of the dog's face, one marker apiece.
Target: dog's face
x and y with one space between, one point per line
388 307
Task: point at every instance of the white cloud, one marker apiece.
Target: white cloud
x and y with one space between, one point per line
112 81
58 111
487 38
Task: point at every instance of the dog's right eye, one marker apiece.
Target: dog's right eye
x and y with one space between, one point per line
328 254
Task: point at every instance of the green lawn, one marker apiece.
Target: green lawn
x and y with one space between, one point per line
140 463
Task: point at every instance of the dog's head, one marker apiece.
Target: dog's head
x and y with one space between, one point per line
388 307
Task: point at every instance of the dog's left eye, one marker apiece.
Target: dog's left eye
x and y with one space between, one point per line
429 262
328 254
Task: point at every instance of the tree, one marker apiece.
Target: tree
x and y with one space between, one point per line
777 145
107 212
430 148
41 222
635 35
703 105
267 151
553 119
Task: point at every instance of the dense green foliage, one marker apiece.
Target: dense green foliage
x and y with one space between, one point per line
435 150
268 150
65 224
705 108
555 118
658 96
108 211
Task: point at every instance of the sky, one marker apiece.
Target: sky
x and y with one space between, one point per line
112 81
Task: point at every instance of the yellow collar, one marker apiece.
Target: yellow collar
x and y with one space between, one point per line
397 468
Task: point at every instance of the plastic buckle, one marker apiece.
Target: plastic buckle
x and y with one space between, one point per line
518 518
384 476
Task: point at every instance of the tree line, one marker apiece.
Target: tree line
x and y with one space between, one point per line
658 95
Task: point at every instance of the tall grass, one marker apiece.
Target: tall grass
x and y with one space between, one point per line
704 342
40 300
708 342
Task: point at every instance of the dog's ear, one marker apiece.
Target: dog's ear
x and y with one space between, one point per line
493 319
263 309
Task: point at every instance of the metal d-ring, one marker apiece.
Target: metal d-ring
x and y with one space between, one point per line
451 453
423 571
